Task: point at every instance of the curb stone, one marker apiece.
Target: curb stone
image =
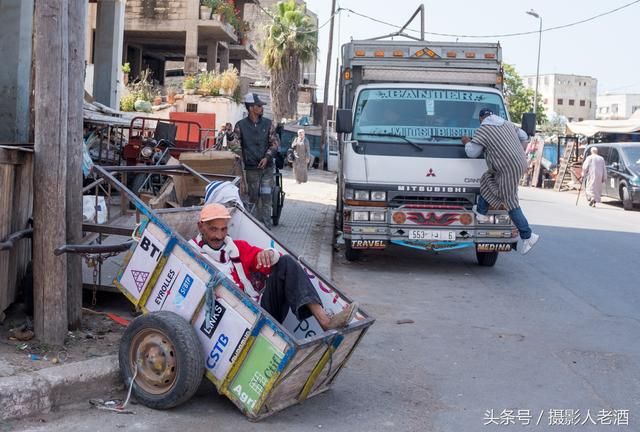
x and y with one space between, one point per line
41 391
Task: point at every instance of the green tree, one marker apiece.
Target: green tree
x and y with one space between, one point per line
520 98
291 39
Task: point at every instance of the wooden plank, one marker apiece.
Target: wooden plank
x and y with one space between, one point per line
76 18
51 108
6 201
22 211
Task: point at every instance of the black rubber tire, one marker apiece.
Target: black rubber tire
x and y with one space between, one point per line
627 204
189 361
486 259
276 202
350 253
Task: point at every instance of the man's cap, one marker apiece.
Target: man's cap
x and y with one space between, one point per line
214 211
253 99
485 112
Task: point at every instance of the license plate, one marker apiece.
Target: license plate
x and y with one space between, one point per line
415 234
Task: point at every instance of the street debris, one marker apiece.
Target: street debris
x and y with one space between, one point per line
405 321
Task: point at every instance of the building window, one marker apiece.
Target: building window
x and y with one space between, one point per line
635 108
545 101
582 102
560 101
614 108
572 102
570 119
546 80
589 104
580 119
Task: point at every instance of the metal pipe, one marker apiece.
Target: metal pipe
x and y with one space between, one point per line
80 249
13 238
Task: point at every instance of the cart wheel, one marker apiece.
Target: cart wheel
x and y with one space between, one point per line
486 259
277 201
169 360
350 253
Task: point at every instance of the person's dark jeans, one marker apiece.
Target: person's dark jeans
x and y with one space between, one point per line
288 287
516 215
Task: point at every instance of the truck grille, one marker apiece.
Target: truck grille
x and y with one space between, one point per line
460 201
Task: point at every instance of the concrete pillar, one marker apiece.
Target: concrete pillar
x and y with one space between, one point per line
16 26
191 59
212 56
224 57
108 51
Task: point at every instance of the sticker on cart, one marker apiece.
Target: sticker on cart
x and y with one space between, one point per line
221 337
136 275
261 364
302 329
177 290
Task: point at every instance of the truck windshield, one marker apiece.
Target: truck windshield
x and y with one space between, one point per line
425 116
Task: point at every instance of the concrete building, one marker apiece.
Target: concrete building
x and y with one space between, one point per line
612 106
572 96
16 26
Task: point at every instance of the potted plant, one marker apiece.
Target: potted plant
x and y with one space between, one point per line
189 84
126 70
208 8
225 12
244 27
171 94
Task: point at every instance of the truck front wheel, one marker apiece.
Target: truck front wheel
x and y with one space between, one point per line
486 259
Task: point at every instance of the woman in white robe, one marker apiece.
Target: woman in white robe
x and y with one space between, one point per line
302 154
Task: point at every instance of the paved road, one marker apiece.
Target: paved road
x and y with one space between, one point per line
558 329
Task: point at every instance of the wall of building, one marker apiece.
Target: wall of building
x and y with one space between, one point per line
16 17
169 10
572 96
617 106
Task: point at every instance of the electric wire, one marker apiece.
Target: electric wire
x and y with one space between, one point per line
496 35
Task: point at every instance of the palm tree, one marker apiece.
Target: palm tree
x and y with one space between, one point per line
291 39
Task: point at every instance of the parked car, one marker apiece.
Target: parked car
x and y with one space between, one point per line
623 171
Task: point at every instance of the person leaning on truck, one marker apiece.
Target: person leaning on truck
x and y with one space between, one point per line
277 282
502 144
259 142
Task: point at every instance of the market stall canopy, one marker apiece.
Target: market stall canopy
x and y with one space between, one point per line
591 127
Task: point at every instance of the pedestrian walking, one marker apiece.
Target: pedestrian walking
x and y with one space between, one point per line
301 157
259 142
594 174
502 144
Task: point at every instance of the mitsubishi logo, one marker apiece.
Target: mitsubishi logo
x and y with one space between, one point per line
431 173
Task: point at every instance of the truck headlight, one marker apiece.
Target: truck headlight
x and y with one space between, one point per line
360 216
362 195
502 219
378 216
348 193
378 196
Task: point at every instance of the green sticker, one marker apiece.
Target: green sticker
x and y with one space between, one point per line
259 366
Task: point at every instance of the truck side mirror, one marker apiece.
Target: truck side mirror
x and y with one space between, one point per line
529 123
344 122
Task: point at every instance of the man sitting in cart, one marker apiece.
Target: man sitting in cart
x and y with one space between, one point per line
277 282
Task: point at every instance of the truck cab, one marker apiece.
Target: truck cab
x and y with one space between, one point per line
405 178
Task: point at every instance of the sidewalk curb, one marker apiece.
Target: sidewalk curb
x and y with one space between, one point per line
325 257
41 391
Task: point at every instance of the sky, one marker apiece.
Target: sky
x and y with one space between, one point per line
604 48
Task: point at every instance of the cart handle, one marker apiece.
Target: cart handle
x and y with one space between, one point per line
82 249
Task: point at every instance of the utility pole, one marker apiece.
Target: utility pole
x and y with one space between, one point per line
325 106
50 168
77 19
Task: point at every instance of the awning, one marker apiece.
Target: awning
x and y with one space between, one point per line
591 127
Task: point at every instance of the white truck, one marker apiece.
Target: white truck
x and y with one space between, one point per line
404 176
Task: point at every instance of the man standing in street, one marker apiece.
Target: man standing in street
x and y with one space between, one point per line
595 174
259 143
502 144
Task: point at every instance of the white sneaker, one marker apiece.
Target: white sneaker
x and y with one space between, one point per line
479 216
527 244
